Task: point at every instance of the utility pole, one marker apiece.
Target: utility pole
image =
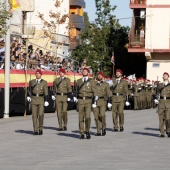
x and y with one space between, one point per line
7 65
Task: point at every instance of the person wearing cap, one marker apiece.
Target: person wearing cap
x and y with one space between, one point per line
38 93
62 93
86 90
119 99
103 95
164 105
136 93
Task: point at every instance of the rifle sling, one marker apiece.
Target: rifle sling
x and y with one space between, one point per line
164 87
36 84
57 85
83 85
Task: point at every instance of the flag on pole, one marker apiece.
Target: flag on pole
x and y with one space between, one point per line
14 4
113 58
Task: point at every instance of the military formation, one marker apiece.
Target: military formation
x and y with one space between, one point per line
95 95
141 93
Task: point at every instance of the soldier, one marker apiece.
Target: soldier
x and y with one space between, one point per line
62 94
164 105
103 94
120 92
38 92
86 89
136 90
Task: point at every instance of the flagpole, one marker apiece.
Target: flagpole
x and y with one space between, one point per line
7 65
113 64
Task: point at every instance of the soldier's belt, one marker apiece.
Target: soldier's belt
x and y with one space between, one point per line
62 94
118 94
85 97
37 95
164 97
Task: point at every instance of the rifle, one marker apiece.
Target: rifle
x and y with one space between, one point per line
29 94
75 90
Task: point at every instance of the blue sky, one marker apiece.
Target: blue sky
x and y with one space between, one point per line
122 11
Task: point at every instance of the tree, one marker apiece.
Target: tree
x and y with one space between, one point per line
4 15
97 46
104 36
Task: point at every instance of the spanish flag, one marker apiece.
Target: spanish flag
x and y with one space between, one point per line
14 5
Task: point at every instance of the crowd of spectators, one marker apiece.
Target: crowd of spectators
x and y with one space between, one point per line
38 59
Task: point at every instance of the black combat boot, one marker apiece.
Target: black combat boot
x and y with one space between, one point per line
98 134
35 133
103 132
121 129
88 135
40 132
81 136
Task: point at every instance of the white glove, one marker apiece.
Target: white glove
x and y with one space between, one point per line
139 88
46 103
156 101
68 99
75 99
94 105
53 97
127 103
109 105
29 99
132 94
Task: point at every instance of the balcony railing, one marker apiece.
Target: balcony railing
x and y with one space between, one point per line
136 41
137 1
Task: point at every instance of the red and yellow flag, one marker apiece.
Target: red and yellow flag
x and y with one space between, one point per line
14 4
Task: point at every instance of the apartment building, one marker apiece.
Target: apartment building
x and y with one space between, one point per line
27 25
77 21
150 35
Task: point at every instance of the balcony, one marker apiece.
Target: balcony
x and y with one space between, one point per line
80 3
77 21
137 4
136 43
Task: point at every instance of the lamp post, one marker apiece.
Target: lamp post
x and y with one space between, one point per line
7 65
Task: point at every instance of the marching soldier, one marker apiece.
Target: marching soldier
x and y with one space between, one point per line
120 92
136 89
38 92
86 89
103 95
62 94
164 105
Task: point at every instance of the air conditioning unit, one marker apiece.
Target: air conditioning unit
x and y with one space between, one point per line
29 32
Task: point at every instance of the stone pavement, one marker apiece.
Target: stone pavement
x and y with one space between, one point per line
137 148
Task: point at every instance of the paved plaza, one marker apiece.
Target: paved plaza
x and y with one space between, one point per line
137 148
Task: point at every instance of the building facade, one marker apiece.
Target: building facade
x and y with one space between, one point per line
32 22
150 35
77 21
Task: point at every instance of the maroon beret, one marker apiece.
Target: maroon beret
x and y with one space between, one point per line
62 70
101 74
85 68
38 71
120 71
166 73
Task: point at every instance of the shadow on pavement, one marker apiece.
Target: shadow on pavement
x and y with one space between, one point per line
25 131
155 129
146 134
50 127
69 135
91 133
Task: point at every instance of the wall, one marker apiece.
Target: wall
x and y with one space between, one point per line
156 69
